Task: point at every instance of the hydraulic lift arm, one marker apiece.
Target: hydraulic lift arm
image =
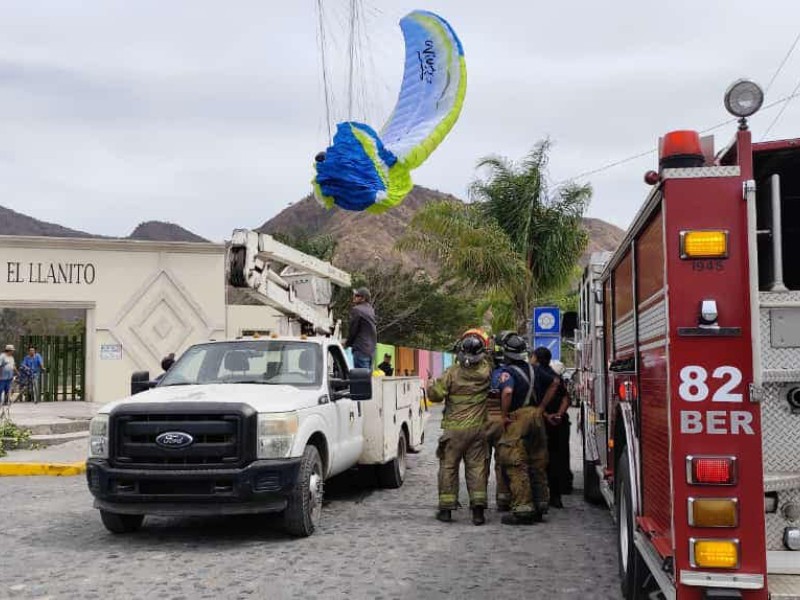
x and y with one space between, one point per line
293 283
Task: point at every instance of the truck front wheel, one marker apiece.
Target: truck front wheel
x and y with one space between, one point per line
591 480
632 569
117 523
304 510
392 474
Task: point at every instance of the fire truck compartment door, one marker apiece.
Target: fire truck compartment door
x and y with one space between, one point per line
785 330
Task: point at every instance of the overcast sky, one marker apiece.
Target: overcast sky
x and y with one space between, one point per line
209 114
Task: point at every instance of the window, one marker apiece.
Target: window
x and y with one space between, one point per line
337 365
269 362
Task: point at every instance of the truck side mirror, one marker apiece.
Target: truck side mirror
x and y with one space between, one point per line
140 382
360 384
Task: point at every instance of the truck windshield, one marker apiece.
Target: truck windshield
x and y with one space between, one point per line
274 362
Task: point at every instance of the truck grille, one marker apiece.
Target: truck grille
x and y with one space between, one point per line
218 439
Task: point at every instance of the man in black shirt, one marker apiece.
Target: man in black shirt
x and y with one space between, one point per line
555 403
386 365
362 335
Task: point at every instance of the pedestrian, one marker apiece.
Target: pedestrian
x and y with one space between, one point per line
463 388
523 434
554 403
362 335
35 364
386 365
8 369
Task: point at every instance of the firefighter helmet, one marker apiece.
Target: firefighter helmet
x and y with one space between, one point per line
471 350
515 347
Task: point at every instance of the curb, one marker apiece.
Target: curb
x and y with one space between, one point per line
10 469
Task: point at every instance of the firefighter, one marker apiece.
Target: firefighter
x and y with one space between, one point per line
523 427
463 388
494 429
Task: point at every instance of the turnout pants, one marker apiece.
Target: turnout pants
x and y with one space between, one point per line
539 459
494 431
521 449
456 445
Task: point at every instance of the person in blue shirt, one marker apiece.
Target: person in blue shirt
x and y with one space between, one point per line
33 361
523 438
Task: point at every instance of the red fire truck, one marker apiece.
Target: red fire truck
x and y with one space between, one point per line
688 350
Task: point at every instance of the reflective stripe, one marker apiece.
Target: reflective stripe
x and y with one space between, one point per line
522 509
474 423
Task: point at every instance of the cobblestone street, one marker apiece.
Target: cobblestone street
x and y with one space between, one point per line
372 544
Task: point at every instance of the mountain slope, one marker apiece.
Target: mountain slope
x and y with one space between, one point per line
14 223
364 239
164 232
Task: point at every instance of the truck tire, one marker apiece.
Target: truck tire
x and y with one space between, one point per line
591 481
632 569
392 474
117 523
302 514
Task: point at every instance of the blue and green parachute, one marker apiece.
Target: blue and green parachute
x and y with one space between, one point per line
366 170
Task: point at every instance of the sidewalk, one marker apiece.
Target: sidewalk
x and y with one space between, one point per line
52 418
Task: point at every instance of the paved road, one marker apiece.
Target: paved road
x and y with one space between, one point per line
378 544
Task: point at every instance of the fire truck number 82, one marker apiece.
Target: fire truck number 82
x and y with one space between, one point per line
695 387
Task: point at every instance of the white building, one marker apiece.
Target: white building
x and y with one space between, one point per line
142 299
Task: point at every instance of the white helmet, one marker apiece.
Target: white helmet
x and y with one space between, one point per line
558 367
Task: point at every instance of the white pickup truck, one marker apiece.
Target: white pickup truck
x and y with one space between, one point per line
249 426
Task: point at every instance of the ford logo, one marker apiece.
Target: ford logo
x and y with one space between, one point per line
174 439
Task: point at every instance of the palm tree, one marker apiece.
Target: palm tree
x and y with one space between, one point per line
517 239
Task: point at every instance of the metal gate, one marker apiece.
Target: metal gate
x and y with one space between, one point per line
64 360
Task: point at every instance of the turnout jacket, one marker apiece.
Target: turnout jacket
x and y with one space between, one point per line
464 392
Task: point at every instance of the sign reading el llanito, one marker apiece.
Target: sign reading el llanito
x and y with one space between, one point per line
51 272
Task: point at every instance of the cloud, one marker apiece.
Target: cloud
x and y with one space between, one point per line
208 114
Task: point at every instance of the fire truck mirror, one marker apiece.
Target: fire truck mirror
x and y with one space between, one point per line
569 323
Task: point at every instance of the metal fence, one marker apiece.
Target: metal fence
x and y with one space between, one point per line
64 360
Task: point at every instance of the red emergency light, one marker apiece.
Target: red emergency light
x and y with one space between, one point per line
712 470
681 149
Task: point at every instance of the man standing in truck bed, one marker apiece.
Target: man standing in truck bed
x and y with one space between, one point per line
362 335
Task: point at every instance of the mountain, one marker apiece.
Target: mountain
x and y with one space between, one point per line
603 236
164 232
364 239
14 223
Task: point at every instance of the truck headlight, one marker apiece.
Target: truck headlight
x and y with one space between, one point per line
98 437
276 433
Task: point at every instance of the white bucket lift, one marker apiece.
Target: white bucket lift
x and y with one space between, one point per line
295 284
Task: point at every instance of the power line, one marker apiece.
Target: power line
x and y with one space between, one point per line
622 161
783 108
718 125
783 62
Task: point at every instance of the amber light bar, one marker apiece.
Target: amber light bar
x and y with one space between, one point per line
704 244
713 512
714 554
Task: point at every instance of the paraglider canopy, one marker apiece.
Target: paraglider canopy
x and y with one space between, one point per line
364 170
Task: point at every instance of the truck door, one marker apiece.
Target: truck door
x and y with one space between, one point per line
349 426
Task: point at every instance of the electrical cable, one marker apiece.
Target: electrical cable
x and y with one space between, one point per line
783 62
783 108
622 161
